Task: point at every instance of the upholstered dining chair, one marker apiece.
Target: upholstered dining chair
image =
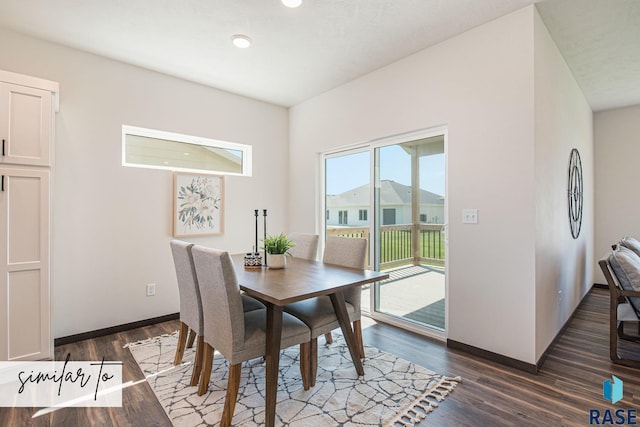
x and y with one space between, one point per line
306 245
191 318
318 313
237 335
191 321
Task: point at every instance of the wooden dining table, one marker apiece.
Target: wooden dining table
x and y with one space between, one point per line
300 280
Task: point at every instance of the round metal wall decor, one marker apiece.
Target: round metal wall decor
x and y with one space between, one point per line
575 193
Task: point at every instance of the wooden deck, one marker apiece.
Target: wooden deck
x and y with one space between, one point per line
415 293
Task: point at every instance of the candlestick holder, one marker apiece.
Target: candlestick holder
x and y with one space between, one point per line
264 216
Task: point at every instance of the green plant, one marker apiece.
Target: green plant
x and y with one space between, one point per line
279 244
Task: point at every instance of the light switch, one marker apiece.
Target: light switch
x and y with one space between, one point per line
470 216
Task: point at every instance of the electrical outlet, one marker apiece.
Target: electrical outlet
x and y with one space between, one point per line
151 289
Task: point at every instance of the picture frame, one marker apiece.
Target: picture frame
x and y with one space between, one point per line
198 204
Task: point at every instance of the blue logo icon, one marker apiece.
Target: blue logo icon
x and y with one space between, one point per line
612 389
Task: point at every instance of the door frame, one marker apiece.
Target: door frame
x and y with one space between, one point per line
371 147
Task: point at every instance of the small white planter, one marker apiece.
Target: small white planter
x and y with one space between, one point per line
276 261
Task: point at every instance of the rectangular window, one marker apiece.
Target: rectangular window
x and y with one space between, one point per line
342 218
388 216
423 217
149 148
362 214
327 214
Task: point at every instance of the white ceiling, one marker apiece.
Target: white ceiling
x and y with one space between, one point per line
300 53
600 41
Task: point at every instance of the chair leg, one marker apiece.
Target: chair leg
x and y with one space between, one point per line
357 331
313 361
328 338
197 363
305 365
192 337
232 394
182 340
207 362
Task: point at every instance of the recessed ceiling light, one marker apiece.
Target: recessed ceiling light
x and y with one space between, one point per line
241 41
292 3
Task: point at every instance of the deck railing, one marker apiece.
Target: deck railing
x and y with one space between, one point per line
397 243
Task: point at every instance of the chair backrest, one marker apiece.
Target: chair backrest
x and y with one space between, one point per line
306 245
190 301
347 252
221 300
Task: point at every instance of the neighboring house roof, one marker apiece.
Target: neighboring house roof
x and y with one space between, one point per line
391 193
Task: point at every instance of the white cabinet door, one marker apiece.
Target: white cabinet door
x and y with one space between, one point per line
25 125
25 311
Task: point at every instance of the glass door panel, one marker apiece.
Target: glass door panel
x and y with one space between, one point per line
410 205
348 200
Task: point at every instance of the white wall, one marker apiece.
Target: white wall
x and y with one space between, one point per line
563 121
112 224
479 84
617 148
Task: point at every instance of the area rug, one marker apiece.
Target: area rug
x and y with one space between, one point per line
393 391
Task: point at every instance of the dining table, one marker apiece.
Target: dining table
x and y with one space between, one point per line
301 279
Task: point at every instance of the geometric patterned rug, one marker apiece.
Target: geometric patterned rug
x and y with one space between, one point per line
393 392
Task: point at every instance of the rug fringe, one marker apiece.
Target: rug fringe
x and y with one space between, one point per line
422 406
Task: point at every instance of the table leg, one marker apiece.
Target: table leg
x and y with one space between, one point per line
340 308
272 356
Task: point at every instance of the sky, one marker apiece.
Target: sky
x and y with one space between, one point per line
351 171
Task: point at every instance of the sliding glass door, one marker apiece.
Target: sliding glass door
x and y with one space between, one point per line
410 205
393 193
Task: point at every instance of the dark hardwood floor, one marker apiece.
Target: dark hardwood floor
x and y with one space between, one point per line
140 406
561 394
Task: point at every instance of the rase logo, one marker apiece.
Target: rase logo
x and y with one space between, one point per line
612 390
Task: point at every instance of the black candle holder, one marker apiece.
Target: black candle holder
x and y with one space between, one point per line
264 216
253 259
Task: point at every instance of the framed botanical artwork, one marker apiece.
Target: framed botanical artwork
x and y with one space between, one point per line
198 204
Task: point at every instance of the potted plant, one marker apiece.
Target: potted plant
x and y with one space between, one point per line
277 248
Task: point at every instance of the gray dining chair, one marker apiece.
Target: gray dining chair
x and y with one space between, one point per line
306 245
191 321
239 336
318 313
191 317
